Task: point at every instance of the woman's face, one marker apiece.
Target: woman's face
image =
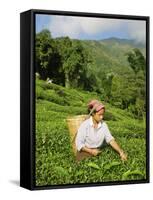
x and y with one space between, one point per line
98 116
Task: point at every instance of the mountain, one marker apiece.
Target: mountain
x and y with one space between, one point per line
124 41
110 54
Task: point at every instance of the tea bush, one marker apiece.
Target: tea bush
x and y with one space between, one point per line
55 161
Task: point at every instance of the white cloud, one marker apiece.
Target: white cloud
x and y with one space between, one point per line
74 26
97 25
137 30
65 26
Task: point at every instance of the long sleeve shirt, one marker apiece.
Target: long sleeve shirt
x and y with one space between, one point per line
92 137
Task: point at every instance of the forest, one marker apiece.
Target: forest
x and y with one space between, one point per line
115 69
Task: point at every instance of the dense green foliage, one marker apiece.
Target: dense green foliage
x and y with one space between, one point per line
55 161
63 60
113 71
113 68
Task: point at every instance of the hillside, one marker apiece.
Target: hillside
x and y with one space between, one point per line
55 162
109 54
100 66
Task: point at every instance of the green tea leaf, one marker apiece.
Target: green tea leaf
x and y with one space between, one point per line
110 165
61 171
129 173
79 173
93 165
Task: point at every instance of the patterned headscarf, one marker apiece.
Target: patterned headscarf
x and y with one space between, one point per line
95 105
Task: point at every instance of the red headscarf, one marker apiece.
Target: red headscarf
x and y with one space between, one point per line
95 105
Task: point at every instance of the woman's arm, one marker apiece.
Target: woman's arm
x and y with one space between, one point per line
117 148
93 152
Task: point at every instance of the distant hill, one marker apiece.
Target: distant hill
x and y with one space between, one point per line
110 54
124 41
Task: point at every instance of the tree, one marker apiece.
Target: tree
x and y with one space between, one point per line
64 45
136 60
138 64
46 54
74 61
124 91
106 84
79 62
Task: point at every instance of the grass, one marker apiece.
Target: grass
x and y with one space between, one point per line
55 161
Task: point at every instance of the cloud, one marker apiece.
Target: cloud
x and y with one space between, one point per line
74 27
137 31
65 26
97 25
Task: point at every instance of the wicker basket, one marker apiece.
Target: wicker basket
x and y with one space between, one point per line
73 125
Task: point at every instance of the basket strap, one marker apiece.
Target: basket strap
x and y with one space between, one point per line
91 111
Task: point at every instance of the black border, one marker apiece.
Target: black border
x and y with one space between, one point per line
25 88
27 98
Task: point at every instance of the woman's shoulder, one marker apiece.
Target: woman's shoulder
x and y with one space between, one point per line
104 123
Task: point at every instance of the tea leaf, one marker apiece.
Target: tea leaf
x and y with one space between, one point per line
93 165
110 165
129 173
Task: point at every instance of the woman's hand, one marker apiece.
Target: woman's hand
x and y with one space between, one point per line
117 148
123 156
95 152
91 151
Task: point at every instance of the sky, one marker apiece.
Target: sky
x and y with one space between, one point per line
90 28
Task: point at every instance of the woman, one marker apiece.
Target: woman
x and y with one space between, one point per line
94 132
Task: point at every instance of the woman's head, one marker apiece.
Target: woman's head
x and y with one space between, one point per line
96 109
98 116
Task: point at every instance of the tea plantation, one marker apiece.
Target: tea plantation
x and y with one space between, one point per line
55 161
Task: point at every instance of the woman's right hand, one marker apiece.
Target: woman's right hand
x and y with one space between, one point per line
95 152
123 156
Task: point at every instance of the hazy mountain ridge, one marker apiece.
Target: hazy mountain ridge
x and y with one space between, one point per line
111 53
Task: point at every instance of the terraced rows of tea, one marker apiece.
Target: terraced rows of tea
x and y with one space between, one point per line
55 161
